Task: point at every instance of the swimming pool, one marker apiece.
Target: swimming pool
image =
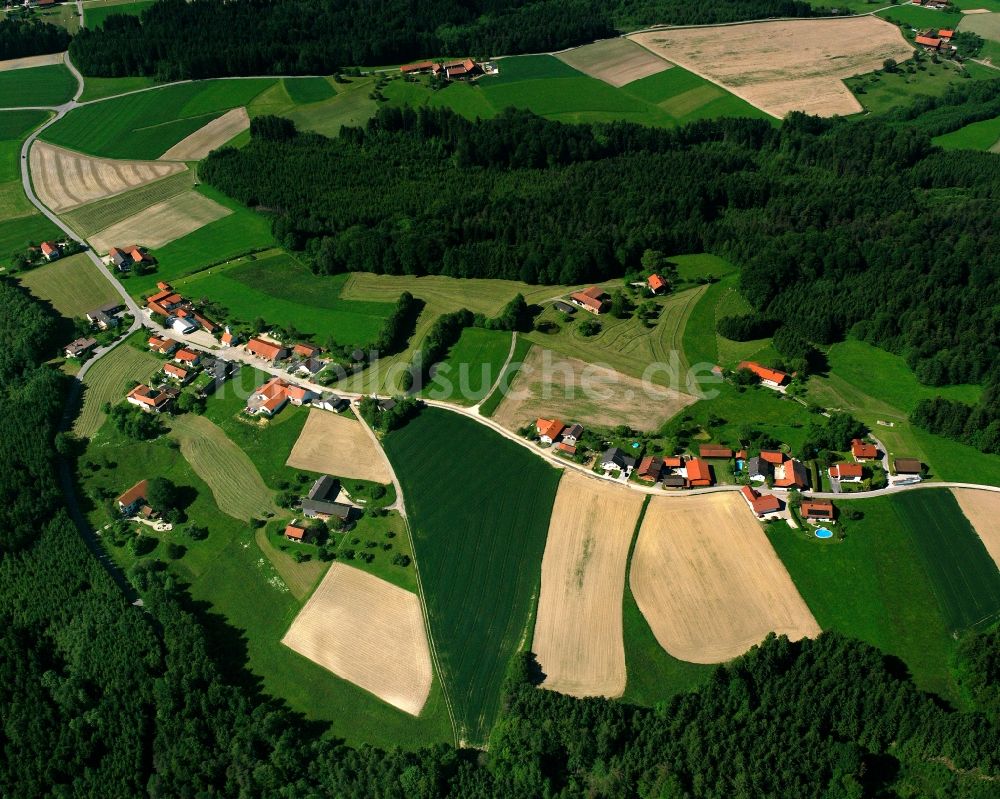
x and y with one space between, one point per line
822 532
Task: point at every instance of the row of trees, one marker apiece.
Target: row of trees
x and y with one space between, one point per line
175 39
25 36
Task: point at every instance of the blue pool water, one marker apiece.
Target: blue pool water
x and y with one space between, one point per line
822 532
739 465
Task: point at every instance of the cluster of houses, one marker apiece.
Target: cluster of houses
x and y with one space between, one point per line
937 5
595 299
103 318
180 313
302 359
125 259
934 40
563 438
183 367
272 396
319 503
466 69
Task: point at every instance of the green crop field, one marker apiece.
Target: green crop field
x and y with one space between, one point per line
73 285
308 90
50 85
983 135
147 124
17 233
687 97
471 368
489 405
285 292
97 216
876 585
99 88
986 25
95 12
479 536
20 223
110 379
920 18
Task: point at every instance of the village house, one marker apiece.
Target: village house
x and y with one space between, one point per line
151 400
177 373
674 481
320 502
229 338
758 469
760 504
125 258
928 42
650 468
271 397
297 532
863 451
673 462
698 473
305 350
105 316
50 250
593 299
656 283
267 350
946 35
772 378
565 449
164 346
846 472
331 402
614 460
571 435
164 302
791 474
714 451
80 347
190 357
817 510
133 502
307 368
773 456
548 430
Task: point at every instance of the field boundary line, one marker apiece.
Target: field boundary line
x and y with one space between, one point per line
500 374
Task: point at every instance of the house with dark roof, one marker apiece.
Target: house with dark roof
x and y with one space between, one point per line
125 258
105 316
759 469
650 468
326 488
320 509
674 481
80 347
571 435
331 402
563 307
910 466
614 460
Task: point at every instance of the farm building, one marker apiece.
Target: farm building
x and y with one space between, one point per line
80 346
133 501
773 378
907 466
791 474
594 299
656 283
458 70
418 68
759 469
548 430
318 509
164 346
817 511
863 451
760 504
267 350
773 456
324 489
929 42
564 307
714 451
565 449
699 473
650 468
296 532
305 350
673 462
614 460
149 399
50 250
181 325
124 258
674 481
946 35
164 302
846 472
331 402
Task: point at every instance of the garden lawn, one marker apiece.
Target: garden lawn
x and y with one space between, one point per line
479 534
51 85
471 368
285 292
147 124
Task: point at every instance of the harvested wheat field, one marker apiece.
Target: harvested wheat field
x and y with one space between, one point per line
64 179
793 65
335 445
32 61
552 385
615 61
369 632
578 628
161 223
213 135
982 509
708 581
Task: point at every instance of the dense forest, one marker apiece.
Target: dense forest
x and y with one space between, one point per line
175 39
22 36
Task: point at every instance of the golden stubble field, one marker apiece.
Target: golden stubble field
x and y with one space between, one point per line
982 509
335 445
162 222
708 581
578 629
213 135
615 61
788 65
369 632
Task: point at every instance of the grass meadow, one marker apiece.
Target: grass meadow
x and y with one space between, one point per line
471 368
879 584
489 405
99 88
983 135
920 18
96 11
885 91
308 90
479 535
49 85
147 124
73 285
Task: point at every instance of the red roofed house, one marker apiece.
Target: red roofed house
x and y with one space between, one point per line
930 42
163 286
164 346
593 299
124 258
769 377
846 472
714 451
656 283
673 462
229 338
164 301
760 504
131 501
50 250
305 350
650 468
699 473
266 350
816 510
863 451
772 456
271 397
549 429
564 448
177 372
296 532
187 356
416 69
946 35
151 400
791 474
462 70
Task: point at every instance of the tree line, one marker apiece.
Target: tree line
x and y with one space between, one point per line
174 39
24 36
103 698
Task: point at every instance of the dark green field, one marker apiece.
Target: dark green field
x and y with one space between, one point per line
95 14
489 405
51 85
308 90
479 506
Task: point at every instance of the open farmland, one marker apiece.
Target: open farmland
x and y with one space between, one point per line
479 534
235 482
14 205
615 61
471 368
27 62
64 179
982 509
368 631
795 65
709 583
984 135
551 385
100 214
42 85
147 124
73 285
335 445
162 223
109 380
213 135
97 11
578 627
